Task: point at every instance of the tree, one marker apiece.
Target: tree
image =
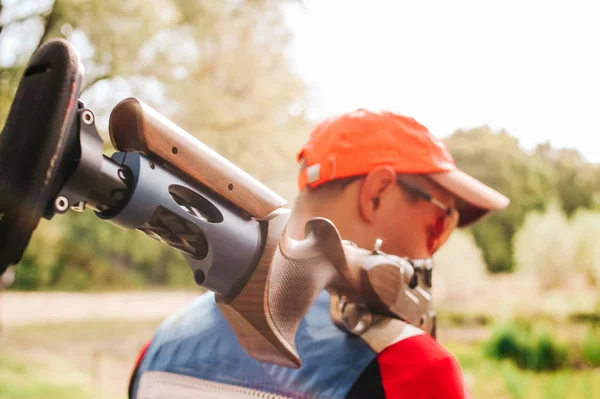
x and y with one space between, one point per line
497 160
218 69
108 34
246 103
531 181
577 182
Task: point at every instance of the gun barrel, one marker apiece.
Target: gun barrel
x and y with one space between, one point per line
135 126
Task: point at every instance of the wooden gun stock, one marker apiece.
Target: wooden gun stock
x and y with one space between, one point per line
135 126
267 312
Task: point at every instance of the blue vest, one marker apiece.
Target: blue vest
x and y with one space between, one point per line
198 342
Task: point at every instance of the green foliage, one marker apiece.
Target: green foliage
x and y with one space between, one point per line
107 33
532 346
489 378
219 70
506 343
556 250
544 247
43 255
585 230
246 103
529 348
547 354
80 252
497 160
515 382
591 347
530 180
19 380
576 182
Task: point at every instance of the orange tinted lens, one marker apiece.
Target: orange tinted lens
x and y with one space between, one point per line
450 223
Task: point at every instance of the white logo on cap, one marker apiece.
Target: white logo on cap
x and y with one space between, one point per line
313 172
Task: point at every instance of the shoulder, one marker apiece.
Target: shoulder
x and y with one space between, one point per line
422 364
198 342
418 351
196 317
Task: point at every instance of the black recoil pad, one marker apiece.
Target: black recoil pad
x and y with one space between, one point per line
38 144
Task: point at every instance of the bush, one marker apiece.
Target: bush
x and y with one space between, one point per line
585 230
506 343
545 247
80 252
459 267
546 354
36 267
591 347
554 248
497 159
529 348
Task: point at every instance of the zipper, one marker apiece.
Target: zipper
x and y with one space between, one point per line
157 384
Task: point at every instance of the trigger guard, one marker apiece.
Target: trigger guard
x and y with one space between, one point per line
352 317
416 286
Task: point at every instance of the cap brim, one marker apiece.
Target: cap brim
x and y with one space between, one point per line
477 198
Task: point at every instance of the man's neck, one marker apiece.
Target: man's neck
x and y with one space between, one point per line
336 212
302 213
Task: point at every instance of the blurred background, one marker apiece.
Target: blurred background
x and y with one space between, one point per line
512 87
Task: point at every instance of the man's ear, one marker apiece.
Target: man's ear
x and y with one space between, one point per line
373 187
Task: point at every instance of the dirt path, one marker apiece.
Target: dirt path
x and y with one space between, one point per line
39 308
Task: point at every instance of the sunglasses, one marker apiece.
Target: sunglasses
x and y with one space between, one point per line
449 221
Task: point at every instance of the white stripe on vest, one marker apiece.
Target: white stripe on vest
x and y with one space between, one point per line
163 385
387 332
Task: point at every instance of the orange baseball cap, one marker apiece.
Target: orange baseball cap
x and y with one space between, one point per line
354 143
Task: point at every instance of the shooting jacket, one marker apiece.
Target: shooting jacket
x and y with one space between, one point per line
195 354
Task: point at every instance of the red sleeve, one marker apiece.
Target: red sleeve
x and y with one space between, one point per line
136 366
420 368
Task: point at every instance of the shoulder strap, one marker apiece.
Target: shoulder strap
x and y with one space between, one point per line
387 332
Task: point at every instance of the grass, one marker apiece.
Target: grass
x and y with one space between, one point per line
591 347
492 379
92 360
84 360
20 380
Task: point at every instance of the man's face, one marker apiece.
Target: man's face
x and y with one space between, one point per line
408 224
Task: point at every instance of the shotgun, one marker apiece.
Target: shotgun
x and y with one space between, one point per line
163 182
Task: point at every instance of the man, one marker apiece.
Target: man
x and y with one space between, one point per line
375 175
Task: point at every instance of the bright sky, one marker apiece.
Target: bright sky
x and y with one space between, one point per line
530 67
